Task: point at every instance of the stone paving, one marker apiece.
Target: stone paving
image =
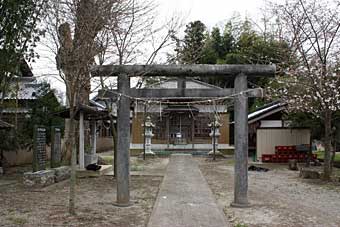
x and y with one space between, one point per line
185 199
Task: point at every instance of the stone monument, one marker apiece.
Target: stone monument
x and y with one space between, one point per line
39 151
55 147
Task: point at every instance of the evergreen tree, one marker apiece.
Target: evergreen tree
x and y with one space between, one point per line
193 44
239 44
216 42
41 112
209 54
228 40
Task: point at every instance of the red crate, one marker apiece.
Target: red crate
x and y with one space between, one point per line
266 158
302 156
275 158
278 148
279 158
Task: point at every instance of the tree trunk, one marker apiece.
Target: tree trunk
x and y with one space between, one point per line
2 160
333 156
310 153
67 145
328 145
73 165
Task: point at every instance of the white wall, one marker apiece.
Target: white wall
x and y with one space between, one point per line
23 156
271 124
267 139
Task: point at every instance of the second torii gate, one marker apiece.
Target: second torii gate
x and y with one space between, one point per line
239 73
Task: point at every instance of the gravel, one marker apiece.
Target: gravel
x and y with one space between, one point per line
278 197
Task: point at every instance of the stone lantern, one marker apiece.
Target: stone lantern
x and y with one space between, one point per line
148 135
215 134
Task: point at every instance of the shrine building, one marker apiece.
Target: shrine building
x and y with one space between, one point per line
181 123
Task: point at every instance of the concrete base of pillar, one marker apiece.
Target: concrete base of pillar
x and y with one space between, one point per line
90 159
147 154
217 153
123 204
240 205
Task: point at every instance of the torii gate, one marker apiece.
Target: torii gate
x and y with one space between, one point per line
238 72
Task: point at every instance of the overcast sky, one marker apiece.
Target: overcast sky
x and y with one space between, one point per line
210 12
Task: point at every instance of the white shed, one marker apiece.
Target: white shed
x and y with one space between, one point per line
268 138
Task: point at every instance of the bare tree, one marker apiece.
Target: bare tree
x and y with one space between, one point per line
73 26
310 84
83 31
133 34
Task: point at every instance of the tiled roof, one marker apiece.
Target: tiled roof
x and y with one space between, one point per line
26 91
19 110
266 110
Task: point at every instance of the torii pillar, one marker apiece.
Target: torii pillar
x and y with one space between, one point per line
241 143
123 142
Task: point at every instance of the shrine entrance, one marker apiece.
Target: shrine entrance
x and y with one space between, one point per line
180 125
240 94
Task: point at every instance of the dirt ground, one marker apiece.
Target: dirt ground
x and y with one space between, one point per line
278 197
20 206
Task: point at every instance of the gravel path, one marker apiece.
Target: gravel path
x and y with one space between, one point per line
278 197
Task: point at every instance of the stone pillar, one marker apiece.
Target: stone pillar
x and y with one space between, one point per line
81 140
55 147
123 142
148 135
241 143
92 157
215 134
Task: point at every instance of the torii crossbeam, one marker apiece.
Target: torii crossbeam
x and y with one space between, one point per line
239 73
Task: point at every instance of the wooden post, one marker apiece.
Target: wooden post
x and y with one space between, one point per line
123 143
241 143
94 137
214 138
168 130
81 140
193 132
144 138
